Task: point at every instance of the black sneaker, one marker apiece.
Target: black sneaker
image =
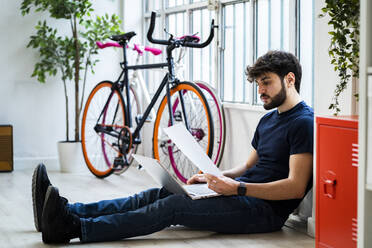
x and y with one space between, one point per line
40 184
59 224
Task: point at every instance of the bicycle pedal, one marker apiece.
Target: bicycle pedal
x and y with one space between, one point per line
119 163
119 167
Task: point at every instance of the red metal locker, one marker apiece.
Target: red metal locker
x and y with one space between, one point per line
336 181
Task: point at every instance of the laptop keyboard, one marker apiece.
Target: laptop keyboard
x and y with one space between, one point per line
198 189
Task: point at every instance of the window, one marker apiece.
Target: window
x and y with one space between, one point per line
247 30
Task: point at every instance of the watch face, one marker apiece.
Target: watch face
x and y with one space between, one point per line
242 189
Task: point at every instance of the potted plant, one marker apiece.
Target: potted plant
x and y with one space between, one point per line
70 55
344 48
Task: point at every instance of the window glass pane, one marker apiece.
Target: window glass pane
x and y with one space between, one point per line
174 3
285 18
306 51
196 53
237 52
276 25
262 34
176 25
228 66
203 66
262 27
153 5
272 26
248 50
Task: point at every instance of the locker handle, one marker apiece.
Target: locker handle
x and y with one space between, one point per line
329 183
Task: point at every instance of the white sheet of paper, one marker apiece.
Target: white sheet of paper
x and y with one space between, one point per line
190 147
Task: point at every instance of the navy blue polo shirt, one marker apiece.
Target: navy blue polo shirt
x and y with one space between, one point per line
278 136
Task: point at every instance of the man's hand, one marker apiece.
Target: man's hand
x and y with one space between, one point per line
222 184
198 178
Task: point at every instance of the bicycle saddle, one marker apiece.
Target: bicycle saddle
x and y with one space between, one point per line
123 37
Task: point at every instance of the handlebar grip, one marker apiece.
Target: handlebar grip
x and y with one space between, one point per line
152 26
205 43
151 31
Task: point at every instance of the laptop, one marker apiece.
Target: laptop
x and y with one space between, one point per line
165 179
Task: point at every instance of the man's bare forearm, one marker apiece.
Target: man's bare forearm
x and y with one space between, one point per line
278 190
293 187
235 172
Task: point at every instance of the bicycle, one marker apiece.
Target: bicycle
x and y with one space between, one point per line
137 84
110 128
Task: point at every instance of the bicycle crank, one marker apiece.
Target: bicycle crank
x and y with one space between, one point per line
125 140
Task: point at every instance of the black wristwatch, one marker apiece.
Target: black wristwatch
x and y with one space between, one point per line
242 189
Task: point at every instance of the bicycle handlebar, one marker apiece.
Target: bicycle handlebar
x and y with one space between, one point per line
185 43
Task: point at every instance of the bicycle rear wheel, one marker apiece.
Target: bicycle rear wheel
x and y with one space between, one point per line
104 108
218 116
200 124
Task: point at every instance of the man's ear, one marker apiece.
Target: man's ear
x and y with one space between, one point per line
291 79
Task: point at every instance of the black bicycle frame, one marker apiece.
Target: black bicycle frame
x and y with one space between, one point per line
168 79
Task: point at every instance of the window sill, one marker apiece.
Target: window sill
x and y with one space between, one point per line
246 107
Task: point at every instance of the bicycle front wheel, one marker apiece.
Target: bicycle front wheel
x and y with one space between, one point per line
104 109
200 123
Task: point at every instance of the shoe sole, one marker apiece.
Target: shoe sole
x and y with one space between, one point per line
34 179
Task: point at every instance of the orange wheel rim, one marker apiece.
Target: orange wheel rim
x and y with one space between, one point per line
83 138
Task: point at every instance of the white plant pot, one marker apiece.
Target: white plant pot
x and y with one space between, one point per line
71 158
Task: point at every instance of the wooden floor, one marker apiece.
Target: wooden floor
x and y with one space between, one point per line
17 225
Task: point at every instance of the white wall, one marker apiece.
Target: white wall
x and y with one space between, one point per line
325 78
240 126
37 110
133 19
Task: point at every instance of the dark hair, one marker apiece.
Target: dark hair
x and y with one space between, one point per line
278 62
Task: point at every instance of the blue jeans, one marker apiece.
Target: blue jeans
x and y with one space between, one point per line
155 209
